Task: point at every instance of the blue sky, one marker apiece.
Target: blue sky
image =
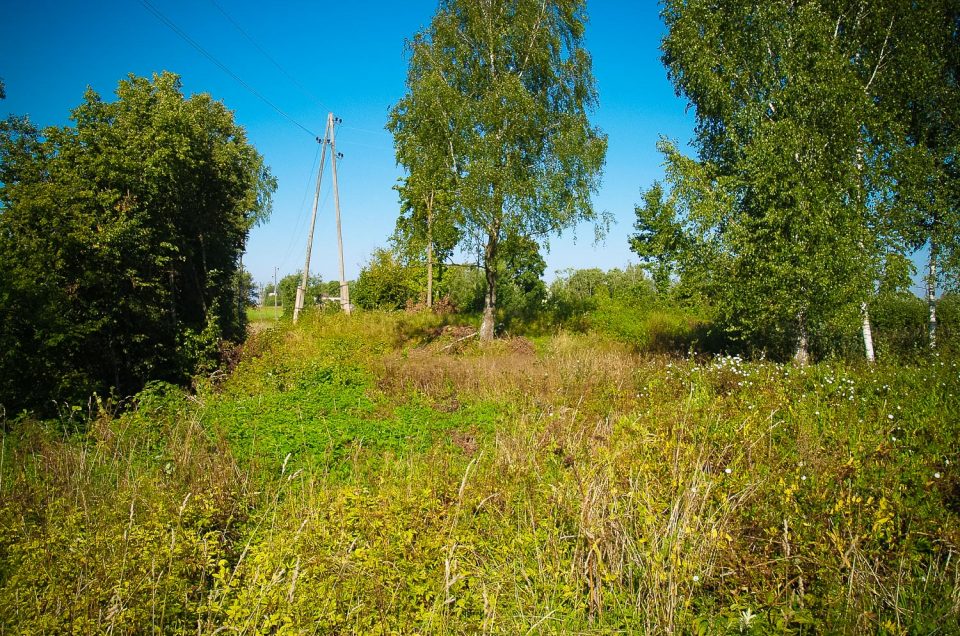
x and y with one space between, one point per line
347 58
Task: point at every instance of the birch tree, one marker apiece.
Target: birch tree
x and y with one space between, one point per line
501 90
775 218
920 95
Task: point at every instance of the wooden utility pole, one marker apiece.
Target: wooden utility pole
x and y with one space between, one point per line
276 294
344 289
302 288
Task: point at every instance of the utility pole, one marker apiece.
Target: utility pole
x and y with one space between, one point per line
302 288
276 294
344 289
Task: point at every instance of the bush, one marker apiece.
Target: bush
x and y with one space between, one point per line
316 289
120 238
577 292
386 283
653 329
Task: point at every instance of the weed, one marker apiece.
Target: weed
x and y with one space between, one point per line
352 475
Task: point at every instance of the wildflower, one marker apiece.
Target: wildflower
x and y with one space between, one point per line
696 577
890 416
936 475
803 478
728 470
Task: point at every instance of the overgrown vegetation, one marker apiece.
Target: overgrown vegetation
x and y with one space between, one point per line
120 241
641 462
377 474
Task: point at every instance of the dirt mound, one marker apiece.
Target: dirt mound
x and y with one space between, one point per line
520 345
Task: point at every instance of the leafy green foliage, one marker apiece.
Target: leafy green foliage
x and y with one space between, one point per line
386 283
120 239
576 292
901 326
495 121
920 96
316 289
387 485
787 216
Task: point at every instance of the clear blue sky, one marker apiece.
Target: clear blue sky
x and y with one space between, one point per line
345 57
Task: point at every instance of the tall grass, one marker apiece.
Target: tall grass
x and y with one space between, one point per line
571 485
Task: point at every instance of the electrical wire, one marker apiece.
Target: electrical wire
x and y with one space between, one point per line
263 52
301 217
361 145
369 132
378 133
320 209
223 67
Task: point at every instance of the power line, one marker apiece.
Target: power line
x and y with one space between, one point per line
365 130
223 67
263 52
362 145
300 212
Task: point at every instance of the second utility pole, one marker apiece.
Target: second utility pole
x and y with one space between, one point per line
305 277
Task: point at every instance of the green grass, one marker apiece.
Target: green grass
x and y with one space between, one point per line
266 313
369 474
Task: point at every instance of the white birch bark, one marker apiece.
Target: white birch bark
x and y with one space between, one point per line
430 251
802 355
932 296
867 333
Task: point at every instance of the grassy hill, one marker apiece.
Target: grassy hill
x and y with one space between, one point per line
384 474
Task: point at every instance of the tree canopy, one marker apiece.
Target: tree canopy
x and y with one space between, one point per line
495 122
120 240
786 220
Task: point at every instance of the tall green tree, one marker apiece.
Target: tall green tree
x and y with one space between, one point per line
779 219
120 241
920 94
496 113
427 230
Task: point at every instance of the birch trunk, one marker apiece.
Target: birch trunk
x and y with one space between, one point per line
490 298
489 307
430 251
932 295
802 355
867 333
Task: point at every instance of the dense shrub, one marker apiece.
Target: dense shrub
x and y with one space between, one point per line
288 292
386 283
120 239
